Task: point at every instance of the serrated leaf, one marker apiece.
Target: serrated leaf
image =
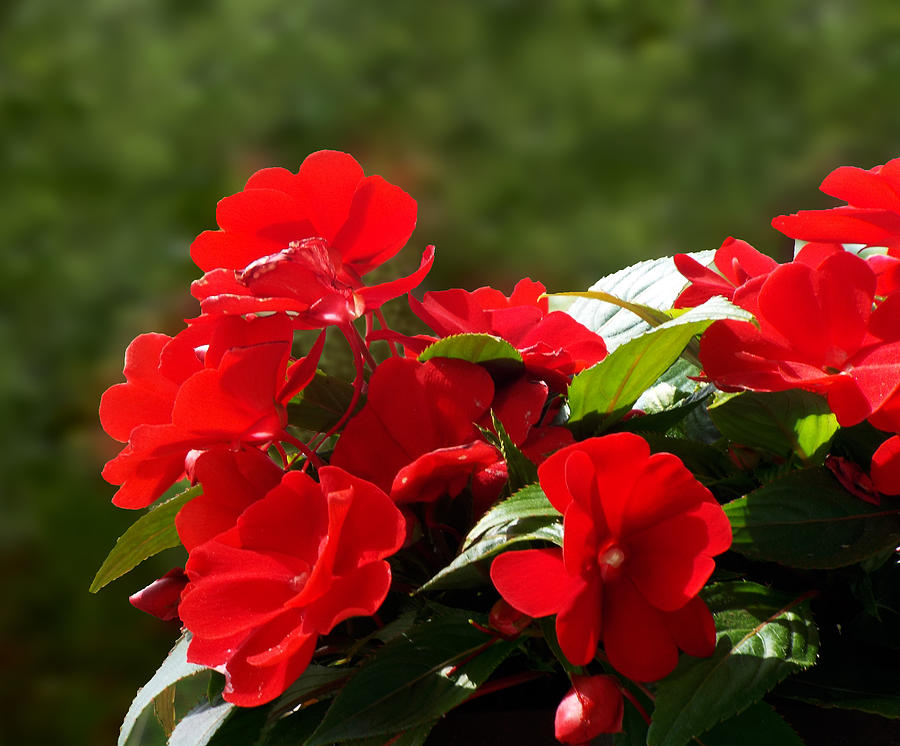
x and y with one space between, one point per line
666 417
653 316
603 393
174 668
780 422
483 349
761 637
758 724
414 680
654 283
321 404
526 516
806 519
148 535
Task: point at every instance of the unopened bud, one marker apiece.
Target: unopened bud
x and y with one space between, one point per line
161 597
593 705
506 620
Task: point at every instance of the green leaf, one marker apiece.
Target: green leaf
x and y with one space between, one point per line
653 316
603 393
200 725
846 679
148 535
521 469
414 680
806 519
758 724
781 422
296 727
174 668
524 517
655 284
321 404
484 349
762 637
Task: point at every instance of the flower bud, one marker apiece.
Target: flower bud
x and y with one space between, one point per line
593 705
508 622
162 596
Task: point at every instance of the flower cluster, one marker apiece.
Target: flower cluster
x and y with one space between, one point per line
504 457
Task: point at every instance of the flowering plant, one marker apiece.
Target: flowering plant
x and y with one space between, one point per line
654 498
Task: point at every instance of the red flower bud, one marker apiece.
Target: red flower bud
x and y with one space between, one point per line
593 705
509 622
162 596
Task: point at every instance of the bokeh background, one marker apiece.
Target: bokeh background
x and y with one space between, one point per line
561 140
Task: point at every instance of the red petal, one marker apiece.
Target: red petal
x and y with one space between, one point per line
231 482
635 637
359 593
233 589
373 529
443 471
256 210
664 488
534 581
375 296
693 628
861 188
326 185
886 467
291 520
146 398
578 624
248 685
381 220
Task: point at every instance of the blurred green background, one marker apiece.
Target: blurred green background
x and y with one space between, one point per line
561 140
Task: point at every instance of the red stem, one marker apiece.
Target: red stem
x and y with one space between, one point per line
359 352
380 316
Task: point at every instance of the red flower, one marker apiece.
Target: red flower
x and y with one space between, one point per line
298 562
301 243
593 705
417 439
737 261
640 535
817 331
553 345
871 217
220 382
231 482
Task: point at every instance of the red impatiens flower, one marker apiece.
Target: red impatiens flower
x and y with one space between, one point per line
639 537
553 345
817 331
219 382
593 705
301 243
231 482
737 261
301 560
871 217
417 439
